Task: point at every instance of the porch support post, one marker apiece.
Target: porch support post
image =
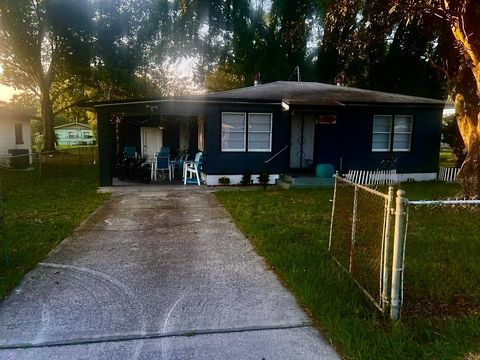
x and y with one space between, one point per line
105 149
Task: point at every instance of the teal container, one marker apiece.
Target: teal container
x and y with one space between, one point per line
324 170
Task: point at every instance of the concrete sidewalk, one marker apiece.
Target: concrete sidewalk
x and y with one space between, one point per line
161 273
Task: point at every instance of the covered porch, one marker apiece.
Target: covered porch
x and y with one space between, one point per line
180 133
146 127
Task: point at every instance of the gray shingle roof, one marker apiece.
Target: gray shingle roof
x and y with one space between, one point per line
296 94
313 93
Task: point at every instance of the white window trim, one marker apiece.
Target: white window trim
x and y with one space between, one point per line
383 132
270 132
392 133
403 132
244 132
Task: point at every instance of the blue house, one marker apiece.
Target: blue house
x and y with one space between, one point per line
280 127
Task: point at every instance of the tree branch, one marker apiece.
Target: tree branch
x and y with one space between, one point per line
440 68
69 106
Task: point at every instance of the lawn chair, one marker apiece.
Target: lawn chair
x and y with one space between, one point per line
161 163
193 169
130 151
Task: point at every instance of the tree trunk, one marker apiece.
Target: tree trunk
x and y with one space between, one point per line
464 29
468 120
47 117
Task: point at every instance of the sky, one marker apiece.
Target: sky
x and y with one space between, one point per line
180 69
7 92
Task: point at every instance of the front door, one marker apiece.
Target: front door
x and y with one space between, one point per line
302 140
151 141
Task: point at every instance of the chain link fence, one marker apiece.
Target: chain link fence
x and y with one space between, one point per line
359 232
40 161
441 258
419 255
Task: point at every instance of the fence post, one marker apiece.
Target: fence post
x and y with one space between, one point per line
354 228
397 262
386 246
333 210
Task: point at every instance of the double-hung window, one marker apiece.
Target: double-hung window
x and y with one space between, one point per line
382 132
233 131
392 133
242 133
259 132
402 132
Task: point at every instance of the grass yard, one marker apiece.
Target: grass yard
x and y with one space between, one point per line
447 158
290 228
41 213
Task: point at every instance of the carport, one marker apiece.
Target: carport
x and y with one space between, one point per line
148 124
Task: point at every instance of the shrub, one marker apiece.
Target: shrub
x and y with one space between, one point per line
246 179
264 178
224 180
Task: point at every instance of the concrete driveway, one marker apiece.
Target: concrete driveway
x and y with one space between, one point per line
156 273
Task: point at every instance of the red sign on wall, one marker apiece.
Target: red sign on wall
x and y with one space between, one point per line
326 119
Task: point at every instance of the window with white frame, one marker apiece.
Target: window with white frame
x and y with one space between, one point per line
402 132
382 130
233 131
392 133
254 135
259 132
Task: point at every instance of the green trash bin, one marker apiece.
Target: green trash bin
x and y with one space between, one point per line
18 161
324 174
324 171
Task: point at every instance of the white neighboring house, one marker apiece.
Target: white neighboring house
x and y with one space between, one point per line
15 134
74 134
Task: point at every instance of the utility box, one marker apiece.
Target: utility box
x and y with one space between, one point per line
20 159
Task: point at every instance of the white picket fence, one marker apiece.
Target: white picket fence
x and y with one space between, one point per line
448 174
389 177
378 177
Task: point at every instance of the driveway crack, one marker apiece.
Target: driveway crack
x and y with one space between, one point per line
150 336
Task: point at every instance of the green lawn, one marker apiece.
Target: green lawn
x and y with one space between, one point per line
41 213
290 229
447 158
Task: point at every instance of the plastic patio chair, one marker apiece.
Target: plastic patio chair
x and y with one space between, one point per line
193 169
130 151
162 163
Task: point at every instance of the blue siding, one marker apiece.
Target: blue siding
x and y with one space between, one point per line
354 140
348 143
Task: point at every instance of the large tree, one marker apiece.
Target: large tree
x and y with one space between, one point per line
44 46
126 33
462 38
364 44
